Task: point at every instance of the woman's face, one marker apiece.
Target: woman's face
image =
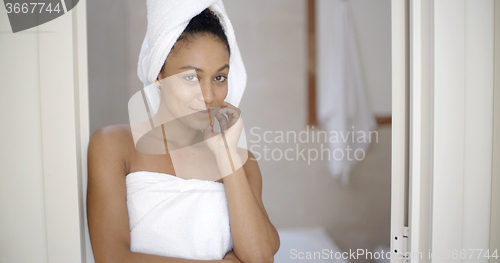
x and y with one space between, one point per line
194 78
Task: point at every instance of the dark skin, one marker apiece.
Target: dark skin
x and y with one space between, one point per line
112 155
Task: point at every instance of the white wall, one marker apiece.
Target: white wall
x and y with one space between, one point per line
115 32
372 23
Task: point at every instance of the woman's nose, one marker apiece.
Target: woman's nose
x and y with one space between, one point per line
207 92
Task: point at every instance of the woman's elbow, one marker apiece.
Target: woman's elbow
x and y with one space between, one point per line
263 257
112 257
273 249
269 259
268 256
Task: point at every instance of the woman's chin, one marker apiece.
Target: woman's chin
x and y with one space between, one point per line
198 124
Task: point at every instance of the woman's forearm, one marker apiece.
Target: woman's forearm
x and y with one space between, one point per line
254 237
136 257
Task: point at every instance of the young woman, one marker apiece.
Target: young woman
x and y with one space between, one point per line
200 55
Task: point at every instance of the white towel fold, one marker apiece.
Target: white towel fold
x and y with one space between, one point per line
167 19
174 217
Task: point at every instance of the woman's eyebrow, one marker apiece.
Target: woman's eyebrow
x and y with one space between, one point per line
223 67
191 67
199 69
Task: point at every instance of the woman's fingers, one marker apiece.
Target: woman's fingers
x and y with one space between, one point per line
233 114
208 133
227 104
222 121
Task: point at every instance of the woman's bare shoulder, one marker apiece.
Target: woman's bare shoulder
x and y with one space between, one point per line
112 131
116 139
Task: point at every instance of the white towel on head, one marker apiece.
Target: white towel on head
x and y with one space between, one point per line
167 19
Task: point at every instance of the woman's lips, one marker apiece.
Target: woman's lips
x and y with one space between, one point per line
202 113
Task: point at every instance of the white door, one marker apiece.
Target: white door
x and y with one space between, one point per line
44 134
443 84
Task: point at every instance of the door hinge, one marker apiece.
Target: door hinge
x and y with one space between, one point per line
400 245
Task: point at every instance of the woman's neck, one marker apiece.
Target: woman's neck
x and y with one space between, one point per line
177 134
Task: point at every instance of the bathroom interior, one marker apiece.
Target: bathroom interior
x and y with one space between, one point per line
311 208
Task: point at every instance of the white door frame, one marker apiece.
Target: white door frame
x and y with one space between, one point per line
449 134
495 184
65 132
399 147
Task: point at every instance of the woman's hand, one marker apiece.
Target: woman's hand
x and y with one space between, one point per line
231 256
226 143
231 128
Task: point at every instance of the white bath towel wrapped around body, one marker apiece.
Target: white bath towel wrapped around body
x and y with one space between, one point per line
175 217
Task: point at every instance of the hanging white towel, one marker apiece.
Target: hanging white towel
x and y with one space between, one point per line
342 107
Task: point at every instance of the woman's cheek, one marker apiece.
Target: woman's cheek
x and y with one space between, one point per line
187 94
221 95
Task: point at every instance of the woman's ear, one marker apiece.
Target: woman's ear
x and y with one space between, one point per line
159 77
157 81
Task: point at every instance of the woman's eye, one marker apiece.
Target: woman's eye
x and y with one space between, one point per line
191 78
221 78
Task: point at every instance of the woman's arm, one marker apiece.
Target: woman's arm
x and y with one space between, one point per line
107 200
254 237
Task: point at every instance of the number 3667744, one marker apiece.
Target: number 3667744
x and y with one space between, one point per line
25 8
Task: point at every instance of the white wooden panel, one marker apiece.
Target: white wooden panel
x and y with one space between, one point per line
22 214
60 91
82 115
479 52
449 121
415 125
451 128
399 115
462 128
427 135
495 184
421 128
